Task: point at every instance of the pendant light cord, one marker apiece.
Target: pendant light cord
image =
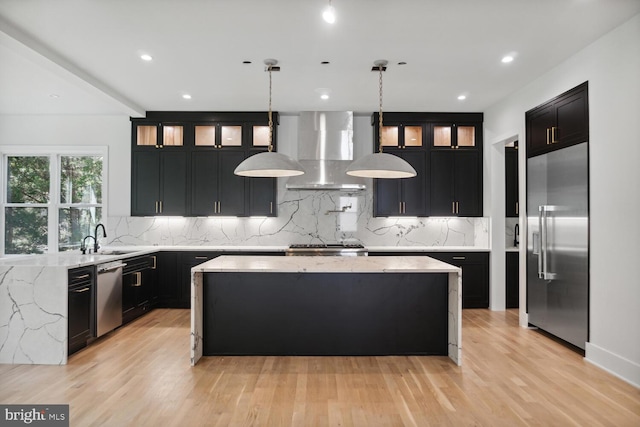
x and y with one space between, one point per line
380 119
270 113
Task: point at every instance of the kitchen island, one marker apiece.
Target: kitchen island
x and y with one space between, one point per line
309 305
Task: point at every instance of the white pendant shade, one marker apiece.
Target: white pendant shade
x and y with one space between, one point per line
381 165
269 165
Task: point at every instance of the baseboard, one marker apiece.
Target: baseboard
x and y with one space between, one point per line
622 368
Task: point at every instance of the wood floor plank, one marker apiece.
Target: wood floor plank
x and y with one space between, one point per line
139 375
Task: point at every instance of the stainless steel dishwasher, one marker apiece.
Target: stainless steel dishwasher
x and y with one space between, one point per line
109 297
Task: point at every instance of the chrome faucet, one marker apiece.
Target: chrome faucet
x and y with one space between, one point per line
95 239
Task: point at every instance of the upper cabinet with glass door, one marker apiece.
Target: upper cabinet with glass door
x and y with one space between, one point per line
157 135
455 136
402 136
217 135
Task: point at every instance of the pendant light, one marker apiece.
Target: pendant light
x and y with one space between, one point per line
269 164
381 165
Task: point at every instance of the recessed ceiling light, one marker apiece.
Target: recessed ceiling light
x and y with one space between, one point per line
329 14
506 59
146 57
54 95
462 97
186 96
324 96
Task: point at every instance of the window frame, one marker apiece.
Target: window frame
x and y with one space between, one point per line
54 205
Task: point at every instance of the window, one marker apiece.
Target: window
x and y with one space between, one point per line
51 201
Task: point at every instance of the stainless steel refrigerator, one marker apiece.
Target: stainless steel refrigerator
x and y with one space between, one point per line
558 243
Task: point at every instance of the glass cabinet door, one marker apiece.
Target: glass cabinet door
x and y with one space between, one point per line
463 136
442 136
390 136
466 136
205 135
172 135
147 135
260 136
230 136
413 136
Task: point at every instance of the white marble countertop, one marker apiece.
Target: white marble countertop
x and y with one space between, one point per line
76 259
327 264
427 249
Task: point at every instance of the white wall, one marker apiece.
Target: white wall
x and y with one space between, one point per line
612 67
113 132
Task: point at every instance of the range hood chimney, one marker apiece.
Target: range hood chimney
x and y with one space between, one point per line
325 149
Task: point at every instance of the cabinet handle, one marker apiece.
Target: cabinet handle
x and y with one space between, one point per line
460 258
457 207
138 282
404 207
553 134
271 207
201 257
548 130
453 207
156 206
154 265
517 208
399 207
80 291
160 204
84 276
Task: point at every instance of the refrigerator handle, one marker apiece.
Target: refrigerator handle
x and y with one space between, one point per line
541 242
543 257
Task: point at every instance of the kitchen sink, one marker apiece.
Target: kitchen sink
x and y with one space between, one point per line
117 252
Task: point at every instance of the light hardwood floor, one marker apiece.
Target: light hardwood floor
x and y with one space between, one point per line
140 375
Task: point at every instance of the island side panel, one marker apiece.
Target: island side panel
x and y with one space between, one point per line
196 316
455 317
33 315
325 313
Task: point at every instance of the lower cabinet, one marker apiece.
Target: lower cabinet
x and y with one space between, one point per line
512 279
475 273
138 286
188 260
168 288
81 308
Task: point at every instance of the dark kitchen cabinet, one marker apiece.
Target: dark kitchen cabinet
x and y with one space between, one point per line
512 280
512 196
407 196
402 136
188 260
168 284
80 307
215 189
159 183
475 273
183 164
138 286
445 149
559 122
456 183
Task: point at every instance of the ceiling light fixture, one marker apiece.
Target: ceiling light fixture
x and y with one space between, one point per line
269 164
507 59
186 96
324 96
329 14
381 165
146 57
462 97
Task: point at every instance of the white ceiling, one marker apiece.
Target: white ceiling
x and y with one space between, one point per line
87 52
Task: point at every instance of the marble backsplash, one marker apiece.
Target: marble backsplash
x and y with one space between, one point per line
303 217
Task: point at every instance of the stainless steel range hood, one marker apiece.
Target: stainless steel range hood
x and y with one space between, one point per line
325 149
